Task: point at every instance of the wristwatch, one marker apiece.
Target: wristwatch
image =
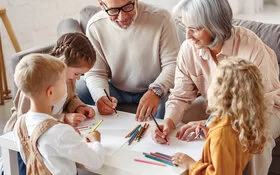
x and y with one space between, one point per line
157 90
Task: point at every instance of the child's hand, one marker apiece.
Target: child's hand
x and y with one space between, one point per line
74 119
94 136
86 110
182 160
204 130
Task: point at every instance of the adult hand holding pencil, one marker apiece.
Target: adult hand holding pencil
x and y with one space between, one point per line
106 105
160 133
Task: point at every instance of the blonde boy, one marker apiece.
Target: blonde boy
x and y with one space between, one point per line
47 146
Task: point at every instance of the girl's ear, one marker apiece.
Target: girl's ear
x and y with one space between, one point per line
49 91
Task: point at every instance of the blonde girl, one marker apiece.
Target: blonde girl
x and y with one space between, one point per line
238 119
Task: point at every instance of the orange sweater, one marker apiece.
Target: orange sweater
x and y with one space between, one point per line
222 153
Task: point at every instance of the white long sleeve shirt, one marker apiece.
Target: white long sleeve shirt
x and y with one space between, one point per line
136 58
61 146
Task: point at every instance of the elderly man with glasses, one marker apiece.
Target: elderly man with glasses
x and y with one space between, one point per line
136 46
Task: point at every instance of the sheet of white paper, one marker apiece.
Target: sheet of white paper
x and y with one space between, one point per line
193 149
112 122
113 128
112 140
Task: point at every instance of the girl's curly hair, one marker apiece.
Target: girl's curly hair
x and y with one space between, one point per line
236 91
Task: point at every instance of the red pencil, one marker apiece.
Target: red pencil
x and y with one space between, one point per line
160 156
149 162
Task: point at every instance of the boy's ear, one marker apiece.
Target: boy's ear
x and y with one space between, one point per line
49 91
100 4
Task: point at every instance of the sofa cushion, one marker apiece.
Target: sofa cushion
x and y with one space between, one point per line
15 58
86 13
68 25
268 33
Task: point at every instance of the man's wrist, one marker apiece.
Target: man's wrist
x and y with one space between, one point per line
157 91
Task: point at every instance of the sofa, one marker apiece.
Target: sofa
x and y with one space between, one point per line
269 33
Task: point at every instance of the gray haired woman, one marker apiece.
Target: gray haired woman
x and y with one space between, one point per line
210 38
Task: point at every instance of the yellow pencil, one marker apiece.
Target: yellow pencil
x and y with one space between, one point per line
96 126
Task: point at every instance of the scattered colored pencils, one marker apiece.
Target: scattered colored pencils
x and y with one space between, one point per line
159 157
137 133
143 131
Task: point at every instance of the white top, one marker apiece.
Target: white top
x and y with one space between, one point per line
61 146
136 58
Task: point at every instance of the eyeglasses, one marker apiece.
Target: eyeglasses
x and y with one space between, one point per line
188 29
115 11
194 30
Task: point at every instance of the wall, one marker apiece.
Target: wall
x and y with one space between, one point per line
34 22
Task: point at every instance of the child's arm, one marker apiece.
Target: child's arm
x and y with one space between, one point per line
72 146
74 119
220 155
73 101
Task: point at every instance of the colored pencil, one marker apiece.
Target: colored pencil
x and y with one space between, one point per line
130 133
158 159
158 126
82 127
147 126
96 126
140 133
161 156
148 162
133 136
110 99
200 131
165 155
143 131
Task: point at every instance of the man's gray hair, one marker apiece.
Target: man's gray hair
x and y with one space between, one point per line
213 15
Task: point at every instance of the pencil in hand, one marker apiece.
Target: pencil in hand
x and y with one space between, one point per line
200 131
94 129
110 99
151 115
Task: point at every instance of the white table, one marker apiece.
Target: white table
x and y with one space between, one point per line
119 163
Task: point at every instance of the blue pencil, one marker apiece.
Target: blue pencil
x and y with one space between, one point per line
200 131
133 135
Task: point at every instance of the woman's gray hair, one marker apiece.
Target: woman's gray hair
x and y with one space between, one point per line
213 15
